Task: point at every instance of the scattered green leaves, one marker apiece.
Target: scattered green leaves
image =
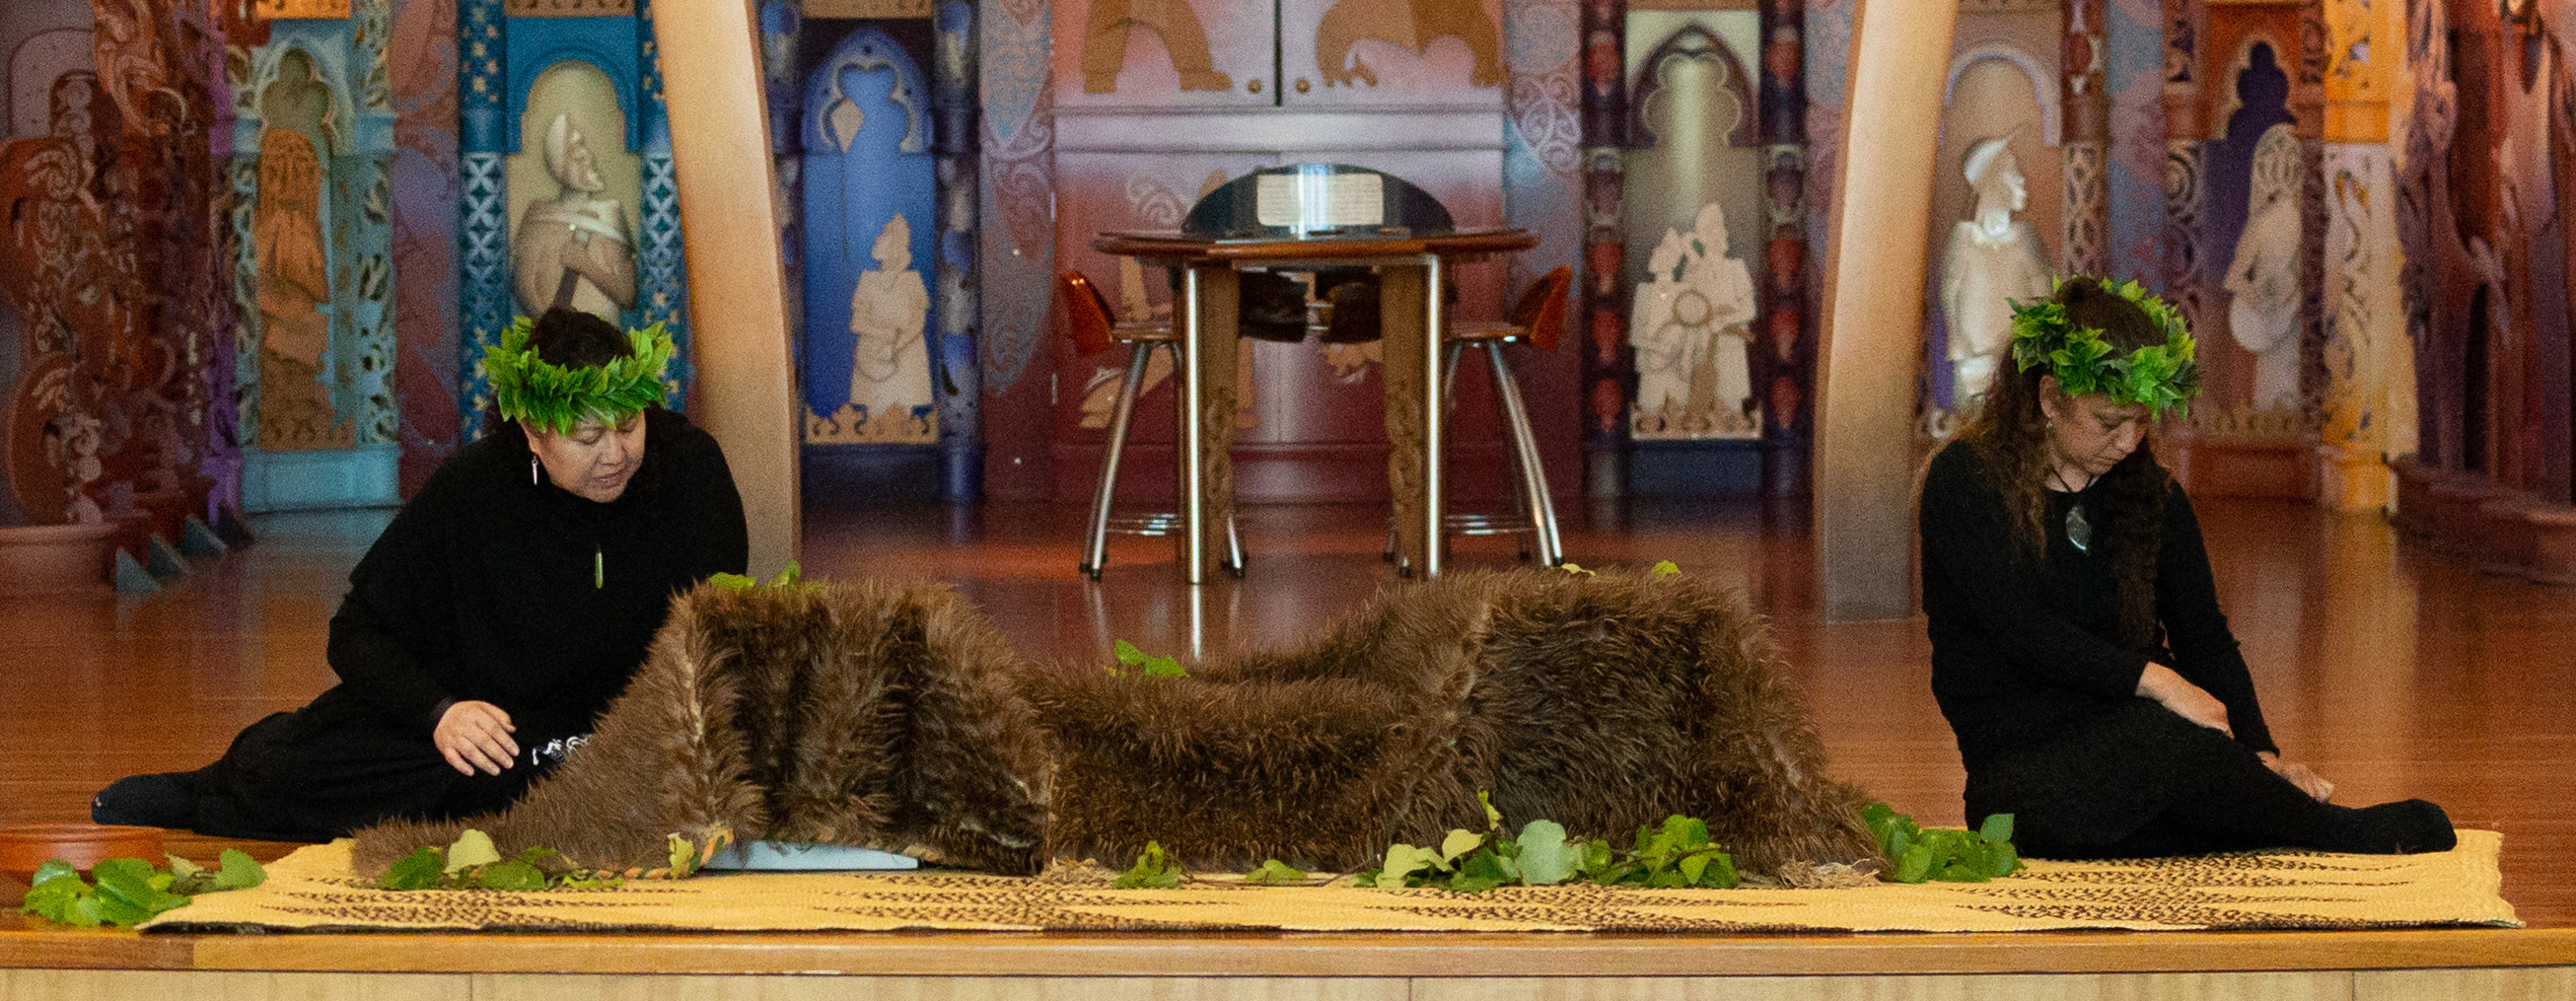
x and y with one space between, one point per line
1155 869
1135 661
1678 854
1944 854
473 863
791 576
129 891
1276 873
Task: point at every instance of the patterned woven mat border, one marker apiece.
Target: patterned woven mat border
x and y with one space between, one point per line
313 890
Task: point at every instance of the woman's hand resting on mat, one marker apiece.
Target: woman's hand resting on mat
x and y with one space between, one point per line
2300 775
2160 683
475 735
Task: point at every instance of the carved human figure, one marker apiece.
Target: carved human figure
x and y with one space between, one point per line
889 366
2263 280
286 228
1992 257
1689 321
573 249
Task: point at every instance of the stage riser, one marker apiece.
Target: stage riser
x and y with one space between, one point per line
2324 985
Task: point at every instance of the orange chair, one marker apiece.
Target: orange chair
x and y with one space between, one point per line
1538 319
1094 329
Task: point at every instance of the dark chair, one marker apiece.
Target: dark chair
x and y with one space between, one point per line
1094 329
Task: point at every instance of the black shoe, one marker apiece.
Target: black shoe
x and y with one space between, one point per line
2405 827
168 799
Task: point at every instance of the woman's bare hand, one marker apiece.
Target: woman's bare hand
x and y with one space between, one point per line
475 735
2187 700
2300 775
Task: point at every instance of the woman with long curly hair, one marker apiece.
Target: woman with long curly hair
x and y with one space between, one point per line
2078 649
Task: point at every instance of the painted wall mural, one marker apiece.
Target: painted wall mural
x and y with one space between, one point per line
869 189
420 58
564 178
2358 203
874 138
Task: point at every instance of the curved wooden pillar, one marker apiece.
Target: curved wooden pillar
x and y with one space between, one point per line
1873 321
737 299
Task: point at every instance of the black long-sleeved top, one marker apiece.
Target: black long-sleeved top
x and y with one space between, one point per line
2023 652
483 586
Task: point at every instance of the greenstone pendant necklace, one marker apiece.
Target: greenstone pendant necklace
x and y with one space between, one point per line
2079 530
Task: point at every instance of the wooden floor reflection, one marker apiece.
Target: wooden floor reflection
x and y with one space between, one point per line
2395 672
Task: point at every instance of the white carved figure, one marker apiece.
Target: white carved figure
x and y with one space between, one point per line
2263 281
573 249
1690 316
1992 258
889 369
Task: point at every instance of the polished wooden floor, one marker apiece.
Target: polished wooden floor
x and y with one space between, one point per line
2397 673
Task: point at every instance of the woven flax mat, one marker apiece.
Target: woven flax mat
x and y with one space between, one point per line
313 890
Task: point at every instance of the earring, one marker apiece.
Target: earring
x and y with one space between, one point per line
532 469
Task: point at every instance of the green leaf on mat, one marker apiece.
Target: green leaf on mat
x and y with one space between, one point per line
420 870
471 849
1545 858
1275 873
239 872
1154 870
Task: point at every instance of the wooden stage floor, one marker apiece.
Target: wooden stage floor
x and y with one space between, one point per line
2395 672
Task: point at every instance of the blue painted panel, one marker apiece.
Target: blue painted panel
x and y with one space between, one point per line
610 43
866 132
2227 175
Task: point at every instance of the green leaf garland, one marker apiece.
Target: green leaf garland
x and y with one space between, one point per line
539 393
2161 376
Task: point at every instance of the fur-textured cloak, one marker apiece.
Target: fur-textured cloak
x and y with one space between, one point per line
871 714
1600 702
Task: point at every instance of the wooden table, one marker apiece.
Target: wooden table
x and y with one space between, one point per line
1409 271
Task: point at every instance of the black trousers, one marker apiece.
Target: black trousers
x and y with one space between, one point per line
2140 781
318 773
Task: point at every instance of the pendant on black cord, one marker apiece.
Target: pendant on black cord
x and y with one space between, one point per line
598 568
2078 530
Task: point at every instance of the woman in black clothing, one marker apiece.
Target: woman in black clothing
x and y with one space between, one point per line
497 615
2078 650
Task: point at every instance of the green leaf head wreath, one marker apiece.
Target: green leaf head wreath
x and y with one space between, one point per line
2160 376
539 393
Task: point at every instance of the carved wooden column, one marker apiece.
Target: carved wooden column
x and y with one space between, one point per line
483 232
2369 405
2084 246
2307 105
661 291
1608 368
954 98
2427 144
1874 308
2183 159
1784 348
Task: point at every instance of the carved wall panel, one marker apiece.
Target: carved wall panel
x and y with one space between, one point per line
868 194
108 267
1997 206
1693 221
